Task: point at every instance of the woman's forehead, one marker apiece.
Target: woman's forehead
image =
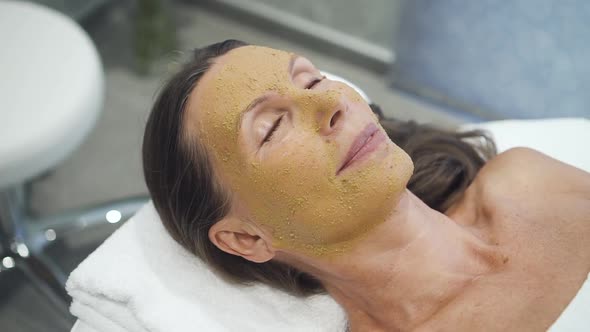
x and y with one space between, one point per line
237 78
251 63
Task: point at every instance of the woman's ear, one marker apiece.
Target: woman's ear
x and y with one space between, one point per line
239 238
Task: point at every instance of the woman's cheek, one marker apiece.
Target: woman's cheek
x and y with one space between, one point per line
285 180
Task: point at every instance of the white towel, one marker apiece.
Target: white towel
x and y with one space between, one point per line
576 317
565 139
141 280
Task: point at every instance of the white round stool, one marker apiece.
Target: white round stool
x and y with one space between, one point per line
51 94
51 89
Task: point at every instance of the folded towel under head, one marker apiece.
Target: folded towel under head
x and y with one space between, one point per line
141 280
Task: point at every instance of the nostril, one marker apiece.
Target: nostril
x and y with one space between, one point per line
335 118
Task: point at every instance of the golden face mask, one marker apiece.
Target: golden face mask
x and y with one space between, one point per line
291 186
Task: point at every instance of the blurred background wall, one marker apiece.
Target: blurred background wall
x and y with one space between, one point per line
76 9
496 59
372 21
479 60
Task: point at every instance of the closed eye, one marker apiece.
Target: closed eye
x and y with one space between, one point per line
272 130
314 82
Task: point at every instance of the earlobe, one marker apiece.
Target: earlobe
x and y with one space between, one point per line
234 237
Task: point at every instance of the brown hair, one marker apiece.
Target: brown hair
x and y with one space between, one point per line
189 200
445 162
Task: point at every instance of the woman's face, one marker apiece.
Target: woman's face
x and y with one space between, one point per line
286 142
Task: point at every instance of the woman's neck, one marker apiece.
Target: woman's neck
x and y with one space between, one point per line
407 270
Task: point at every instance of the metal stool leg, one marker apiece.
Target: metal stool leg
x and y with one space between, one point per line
47 279
25 239
74 221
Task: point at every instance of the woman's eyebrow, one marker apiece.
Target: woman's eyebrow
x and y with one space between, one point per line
265 97
251 106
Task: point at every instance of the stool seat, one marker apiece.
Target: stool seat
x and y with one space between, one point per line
51 89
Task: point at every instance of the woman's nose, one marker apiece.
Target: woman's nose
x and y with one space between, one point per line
325 108
331 119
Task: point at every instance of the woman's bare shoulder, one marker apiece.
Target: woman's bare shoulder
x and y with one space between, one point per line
528 167
521 177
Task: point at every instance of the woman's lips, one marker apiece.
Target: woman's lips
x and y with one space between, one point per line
366 142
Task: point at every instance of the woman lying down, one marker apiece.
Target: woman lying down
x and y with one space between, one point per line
272 173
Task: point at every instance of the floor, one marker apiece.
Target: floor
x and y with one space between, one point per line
108 165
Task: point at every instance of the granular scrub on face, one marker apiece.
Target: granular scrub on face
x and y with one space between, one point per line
293 190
